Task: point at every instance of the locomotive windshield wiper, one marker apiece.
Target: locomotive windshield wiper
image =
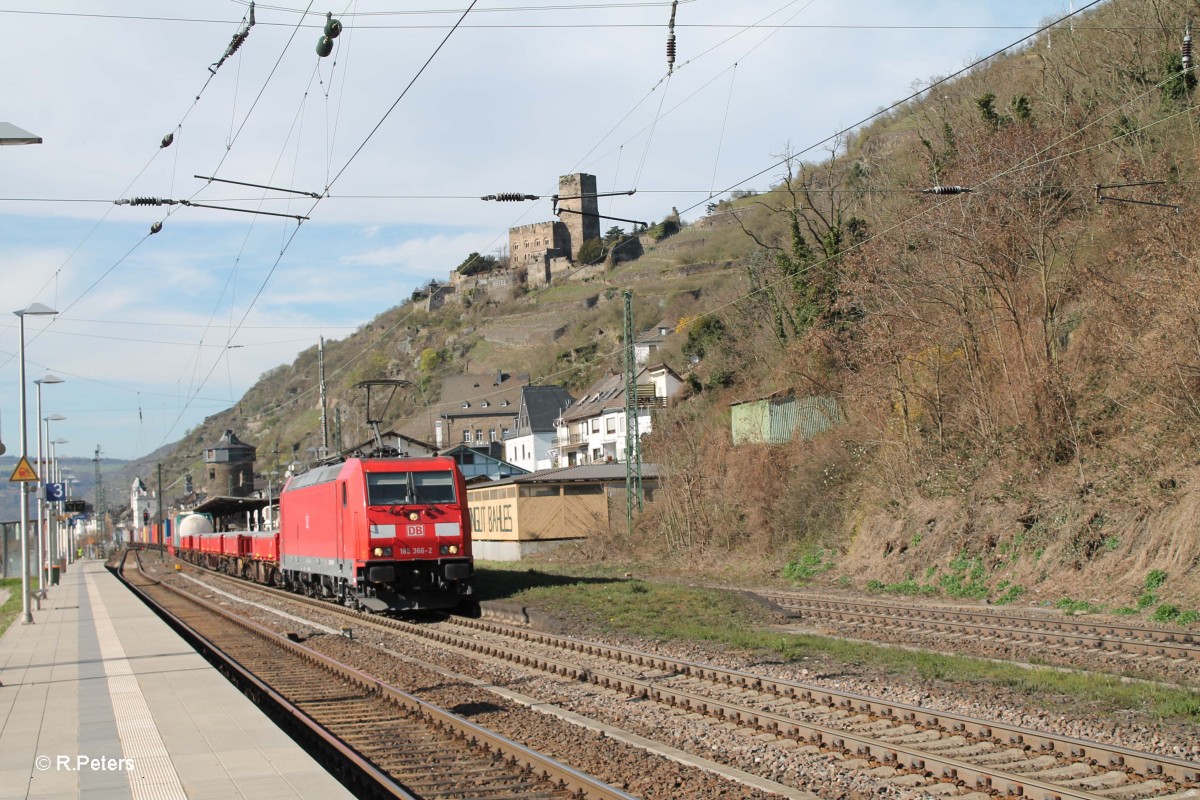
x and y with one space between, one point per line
412 489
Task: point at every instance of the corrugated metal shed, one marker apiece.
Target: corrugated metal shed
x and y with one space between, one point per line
779 417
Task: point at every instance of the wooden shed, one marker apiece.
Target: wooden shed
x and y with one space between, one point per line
526 514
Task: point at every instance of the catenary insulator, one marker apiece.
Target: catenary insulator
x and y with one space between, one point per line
333 27
167 140
251 14
947 190
509 197
324 46
146 201
238 39
1187 49
671 38
155 228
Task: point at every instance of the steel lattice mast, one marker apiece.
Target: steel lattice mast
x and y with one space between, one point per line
633 450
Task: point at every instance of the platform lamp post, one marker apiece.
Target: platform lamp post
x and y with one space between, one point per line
63 535
52 549
34 310
42 452
56 472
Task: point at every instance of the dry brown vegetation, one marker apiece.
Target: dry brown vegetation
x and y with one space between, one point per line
1021 364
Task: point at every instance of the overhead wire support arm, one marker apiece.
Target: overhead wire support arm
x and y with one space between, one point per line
1100 198
314 195
162 201
623 192
297 217
600 216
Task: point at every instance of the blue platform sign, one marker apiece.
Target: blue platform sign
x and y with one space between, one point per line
56 492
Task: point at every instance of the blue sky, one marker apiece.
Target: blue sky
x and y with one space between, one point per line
159 331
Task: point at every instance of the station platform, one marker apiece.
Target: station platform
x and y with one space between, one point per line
102 700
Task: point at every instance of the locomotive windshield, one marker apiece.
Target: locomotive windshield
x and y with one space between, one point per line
403 488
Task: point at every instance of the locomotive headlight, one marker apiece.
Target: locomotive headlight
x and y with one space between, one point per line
449 549
377 552
387 552
414 516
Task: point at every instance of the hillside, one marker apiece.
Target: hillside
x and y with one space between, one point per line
1019 364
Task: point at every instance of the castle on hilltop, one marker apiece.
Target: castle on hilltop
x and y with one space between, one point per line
533 244
538 252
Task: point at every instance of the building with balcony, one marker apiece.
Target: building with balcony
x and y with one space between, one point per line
592 431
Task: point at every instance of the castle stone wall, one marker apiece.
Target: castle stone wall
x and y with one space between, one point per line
527 244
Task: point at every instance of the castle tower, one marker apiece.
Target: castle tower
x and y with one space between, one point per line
579 191
230 467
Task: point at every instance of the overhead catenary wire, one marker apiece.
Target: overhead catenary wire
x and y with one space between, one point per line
103 217
552 374
909 98
332 181
1028 162
697 181
557 25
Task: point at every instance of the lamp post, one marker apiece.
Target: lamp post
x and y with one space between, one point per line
42 544
34 310
52 519
63 535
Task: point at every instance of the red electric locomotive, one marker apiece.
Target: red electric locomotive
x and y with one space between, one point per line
385 534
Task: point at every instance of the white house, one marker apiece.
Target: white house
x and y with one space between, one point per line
646 346
531 445
593 430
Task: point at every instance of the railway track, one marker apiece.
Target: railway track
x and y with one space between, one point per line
397 745
946 752
996 626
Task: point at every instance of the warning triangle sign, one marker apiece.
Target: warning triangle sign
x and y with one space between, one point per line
23 473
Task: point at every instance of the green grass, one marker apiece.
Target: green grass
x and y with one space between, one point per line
12 606
807 567
1154 579
1165 613
1075 606
601 600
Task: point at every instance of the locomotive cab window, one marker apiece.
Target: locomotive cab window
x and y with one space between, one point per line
399 488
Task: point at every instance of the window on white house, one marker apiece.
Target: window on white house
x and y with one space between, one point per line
596 425
611 426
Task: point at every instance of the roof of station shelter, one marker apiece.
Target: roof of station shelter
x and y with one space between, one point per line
225 506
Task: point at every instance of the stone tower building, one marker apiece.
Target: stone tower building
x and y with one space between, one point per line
578 193
533 244
230 467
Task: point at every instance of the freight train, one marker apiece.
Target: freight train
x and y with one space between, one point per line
378 534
